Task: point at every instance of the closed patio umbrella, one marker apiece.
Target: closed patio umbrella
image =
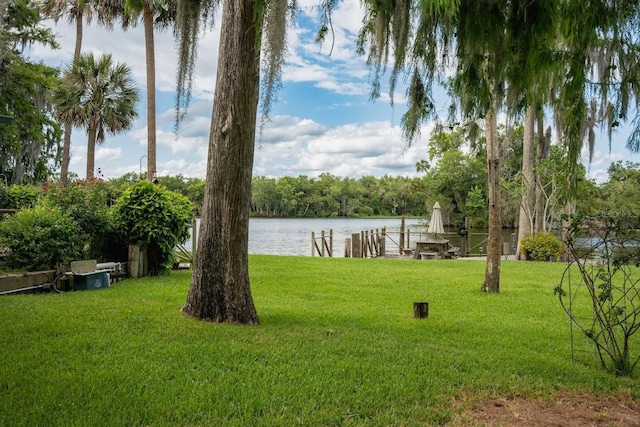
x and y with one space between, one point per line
435 224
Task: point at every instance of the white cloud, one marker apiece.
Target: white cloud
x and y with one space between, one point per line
281 129
357 149
184 168
597 168
108 153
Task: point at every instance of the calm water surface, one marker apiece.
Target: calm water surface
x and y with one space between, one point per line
292 236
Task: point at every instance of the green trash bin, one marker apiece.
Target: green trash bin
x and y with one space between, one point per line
90 281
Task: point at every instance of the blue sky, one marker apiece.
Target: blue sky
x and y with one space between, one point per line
322 121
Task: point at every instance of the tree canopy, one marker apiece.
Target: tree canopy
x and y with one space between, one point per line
99 96
30 143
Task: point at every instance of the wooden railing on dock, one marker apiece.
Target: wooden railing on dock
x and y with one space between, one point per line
326 244
383 243
366 244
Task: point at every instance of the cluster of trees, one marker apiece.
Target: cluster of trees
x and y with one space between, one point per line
154 15
620 195
454 175
31 138
527 58
329 196
92 93
456 181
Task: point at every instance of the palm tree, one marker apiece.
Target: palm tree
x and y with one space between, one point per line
98 96
159 12
75 11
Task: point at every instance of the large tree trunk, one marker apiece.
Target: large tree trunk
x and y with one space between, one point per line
149 43
66 144
18 171
91 151
542 153
494 244
220 290
66 154
525 219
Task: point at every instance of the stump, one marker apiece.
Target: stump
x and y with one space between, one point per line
420 310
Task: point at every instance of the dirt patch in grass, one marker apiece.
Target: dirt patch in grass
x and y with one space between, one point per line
566 410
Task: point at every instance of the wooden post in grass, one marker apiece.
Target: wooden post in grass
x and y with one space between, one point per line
135 261
356 249
347 247
401 245
420 310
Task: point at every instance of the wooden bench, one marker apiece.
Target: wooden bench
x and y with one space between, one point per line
452 253
428 255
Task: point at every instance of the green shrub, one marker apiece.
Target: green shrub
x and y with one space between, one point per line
542 247
22 197
37 239
87 202
4 196
151 216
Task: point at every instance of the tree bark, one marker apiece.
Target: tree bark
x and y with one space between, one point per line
525 219
91 151
66 144
66 154
542 153
494 243
149 43
220 289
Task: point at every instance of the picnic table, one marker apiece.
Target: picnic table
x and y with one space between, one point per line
434 249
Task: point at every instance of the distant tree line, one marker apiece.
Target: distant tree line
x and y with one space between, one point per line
456 182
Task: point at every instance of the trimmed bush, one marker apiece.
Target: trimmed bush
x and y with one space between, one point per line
87 202
21 197
542 247
151 216
37 239
4 196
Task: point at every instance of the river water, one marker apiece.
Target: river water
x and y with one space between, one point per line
292 236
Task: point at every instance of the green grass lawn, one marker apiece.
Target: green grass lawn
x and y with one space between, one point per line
337 345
